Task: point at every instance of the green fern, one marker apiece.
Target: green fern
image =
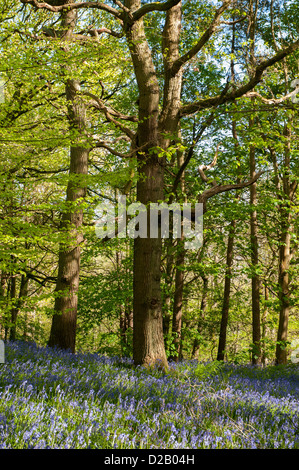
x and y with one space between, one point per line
206 370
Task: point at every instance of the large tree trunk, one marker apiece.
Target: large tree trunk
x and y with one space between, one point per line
63 329
148 340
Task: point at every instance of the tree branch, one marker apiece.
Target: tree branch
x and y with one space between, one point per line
242 90
293 189
155 6
40 280
106 146
95 32
113 112
109 113
190 153
203 40
203 168
231 23
252 94
73 6
122 6
221 188
101 144
44 172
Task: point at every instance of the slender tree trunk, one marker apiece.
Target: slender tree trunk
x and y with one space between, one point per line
263 326
226 297
177 316
284 255
3 278
284 295
178 301
255 280
230 243
122 315
125 313
23 293
2 303
2 293
13 312
122 329
63 329
168 287
203 306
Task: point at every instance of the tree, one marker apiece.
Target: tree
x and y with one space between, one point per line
161 107
64 52
23 197
286 194
255 280
63 331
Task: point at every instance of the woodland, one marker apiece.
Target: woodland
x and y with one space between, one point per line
172 101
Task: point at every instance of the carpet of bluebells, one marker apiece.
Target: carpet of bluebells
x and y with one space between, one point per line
57 400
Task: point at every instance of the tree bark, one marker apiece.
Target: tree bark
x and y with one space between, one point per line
63 329
153 131
148 342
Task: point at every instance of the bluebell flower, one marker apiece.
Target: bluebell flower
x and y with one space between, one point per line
47 402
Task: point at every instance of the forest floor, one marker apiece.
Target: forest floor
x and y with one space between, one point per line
51 399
